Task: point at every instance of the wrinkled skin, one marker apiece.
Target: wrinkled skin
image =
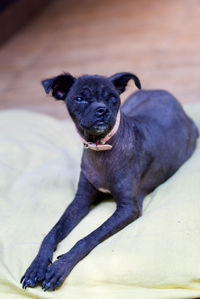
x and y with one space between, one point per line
154 139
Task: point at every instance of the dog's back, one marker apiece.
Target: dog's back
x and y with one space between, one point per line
160 109
158 105
167 130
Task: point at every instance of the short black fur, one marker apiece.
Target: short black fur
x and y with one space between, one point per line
154 139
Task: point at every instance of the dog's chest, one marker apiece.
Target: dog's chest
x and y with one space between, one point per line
97 172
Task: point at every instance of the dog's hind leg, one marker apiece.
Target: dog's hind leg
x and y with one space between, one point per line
85 196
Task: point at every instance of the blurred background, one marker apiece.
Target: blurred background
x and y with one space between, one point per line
157 40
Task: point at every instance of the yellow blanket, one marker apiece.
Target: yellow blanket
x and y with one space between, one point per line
157 256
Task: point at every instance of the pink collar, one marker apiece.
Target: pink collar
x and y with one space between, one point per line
100 144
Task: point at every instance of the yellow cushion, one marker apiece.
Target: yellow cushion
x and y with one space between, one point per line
157 256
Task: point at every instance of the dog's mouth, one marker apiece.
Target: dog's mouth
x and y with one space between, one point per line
94 132
100 127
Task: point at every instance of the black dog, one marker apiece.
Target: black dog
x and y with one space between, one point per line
128 153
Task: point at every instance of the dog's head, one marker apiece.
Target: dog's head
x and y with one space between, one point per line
92 101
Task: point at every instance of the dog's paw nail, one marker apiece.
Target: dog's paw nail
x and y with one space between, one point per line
22 278
46 287
36 279
24 285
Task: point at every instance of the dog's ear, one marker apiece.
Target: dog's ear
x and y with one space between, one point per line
120 81
59 85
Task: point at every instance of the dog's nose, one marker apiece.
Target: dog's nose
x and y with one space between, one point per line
101 110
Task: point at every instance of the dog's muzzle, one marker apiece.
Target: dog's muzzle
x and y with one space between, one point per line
100 144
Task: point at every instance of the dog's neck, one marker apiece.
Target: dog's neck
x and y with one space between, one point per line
101 145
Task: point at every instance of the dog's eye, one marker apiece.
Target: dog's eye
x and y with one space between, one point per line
80 100
113 100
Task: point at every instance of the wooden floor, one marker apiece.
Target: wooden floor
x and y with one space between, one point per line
157 40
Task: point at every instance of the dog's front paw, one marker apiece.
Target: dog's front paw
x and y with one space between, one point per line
56 274
35 273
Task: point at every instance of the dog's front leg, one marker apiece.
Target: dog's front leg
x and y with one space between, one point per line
126 212
79 207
